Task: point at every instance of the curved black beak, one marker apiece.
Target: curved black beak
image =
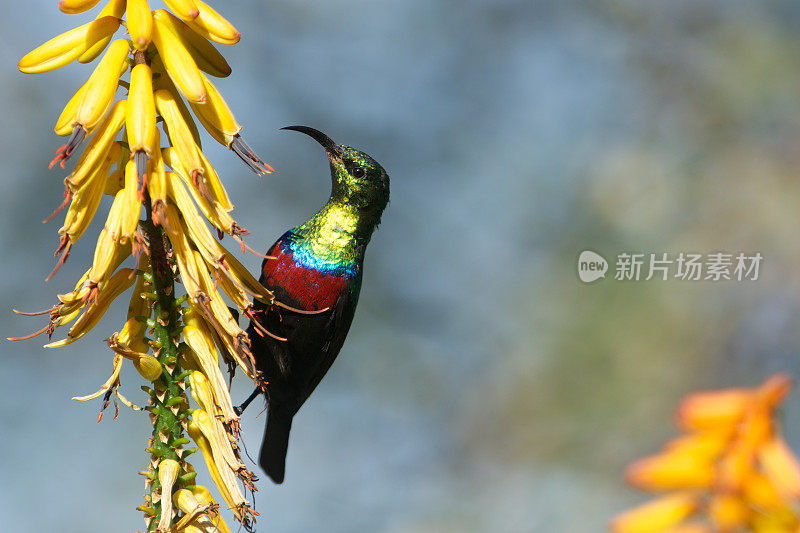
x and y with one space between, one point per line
326 142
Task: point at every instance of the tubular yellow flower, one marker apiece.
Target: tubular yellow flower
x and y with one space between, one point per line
204 498
198 234
164 82
759 491
115 182
123 218
201 392
208 422
237 273
157 185
183 252
78 295
138 309
220 313
168 470
66 121
204 356
208 58
108 255
211 209
218 192
200 514
73 7
68 46
781 467
147 365
206 188
133 329
703 445
658 515
223 478
728 512
194 518
116 285
140 122
709 410
215 115
99 144
102 86
185 9
178 62
217 118
111 385
140 23
114 8
671 470
180 134
86 198
213 26
234 291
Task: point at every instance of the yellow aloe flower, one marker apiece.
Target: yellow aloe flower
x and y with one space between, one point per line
168 470
140 23
178 62
99 90
657 515
204 497
110 386
733 464
203 354
210 207
671 470
86 198
74 7
116 285
781 467
122 153
68 46
224 478
213 26
728 512
115 9
185 9
208 58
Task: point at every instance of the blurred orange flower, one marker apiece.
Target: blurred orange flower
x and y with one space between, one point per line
730 472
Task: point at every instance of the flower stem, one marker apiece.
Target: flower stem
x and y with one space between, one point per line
168 403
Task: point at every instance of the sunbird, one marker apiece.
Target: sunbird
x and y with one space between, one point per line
315 271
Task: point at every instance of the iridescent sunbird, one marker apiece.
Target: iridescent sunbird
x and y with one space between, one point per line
315 269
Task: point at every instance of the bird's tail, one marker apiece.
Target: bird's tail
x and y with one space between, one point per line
276 440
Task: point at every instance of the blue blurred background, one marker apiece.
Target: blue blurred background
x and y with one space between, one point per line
483 386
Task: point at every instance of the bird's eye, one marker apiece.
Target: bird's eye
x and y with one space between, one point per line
358 172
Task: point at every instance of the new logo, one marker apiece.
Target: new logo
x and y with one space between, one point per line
591 266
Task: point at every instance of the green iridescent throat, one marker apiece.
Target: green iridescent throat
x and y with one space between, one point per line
333 240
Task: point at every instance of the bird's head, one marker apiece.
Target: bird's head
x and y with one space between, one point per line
357 179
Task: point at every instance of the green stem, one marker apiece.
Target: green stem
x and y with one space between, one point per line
168 398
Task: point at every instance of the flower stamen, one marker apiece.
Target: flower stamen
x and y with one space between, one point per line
64 152
250 158
64 248
67 198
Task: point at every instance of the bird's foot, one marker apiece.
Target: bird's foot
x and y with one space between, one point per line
239 409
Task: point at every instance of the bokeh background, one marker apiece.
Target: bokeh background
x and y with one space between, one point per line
483 386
